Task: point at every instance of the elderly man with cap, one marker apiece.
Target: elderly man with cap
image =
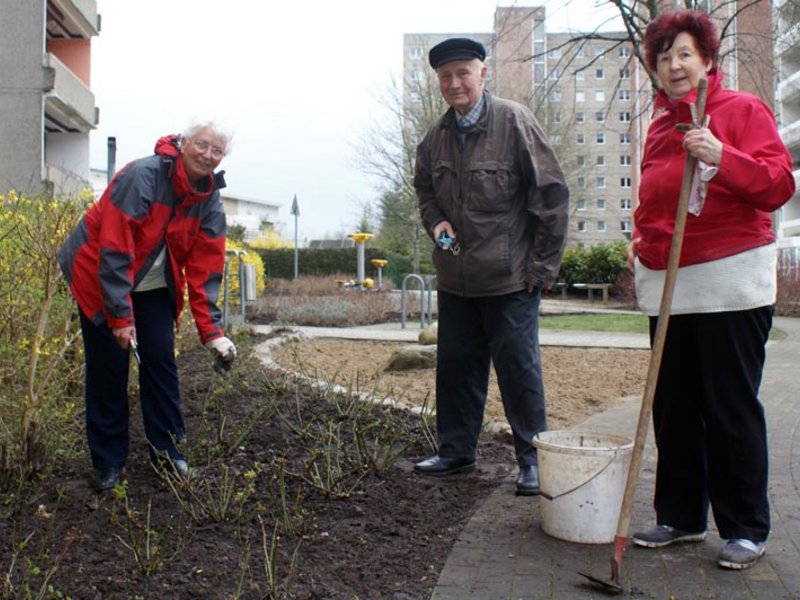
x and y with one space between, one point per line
494 199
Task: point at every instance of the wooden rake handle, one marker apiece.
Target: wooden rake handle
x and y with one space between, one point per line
657 351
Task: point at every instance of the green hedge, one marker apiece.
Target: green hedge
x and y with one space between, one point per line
596 264
279 263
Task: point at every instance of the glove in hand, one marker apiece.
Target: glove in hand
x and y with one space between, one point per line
224 353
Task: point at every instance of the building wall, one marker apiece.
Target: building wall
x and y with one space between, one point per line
46 105
21 103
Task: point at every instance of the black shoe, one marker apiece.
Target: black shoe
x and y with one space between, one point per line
106 478
528 481
439 466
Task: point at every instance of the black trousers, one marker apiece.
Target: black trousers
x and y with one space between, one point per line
709 424
107 382
473 333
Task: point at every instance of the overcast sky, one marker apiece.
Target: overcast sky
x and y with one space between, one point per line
298 84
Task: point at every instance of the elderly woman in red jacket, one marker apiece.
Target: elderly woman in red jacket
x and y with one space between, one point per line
157 230
709 423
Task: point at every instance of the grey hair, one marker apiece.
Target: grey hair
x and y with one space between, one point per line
215 130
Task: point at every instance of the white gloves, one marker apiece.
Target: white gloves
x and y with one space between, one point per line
224 352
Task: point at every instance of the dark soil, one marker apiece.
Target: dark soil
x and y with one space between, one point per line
290 498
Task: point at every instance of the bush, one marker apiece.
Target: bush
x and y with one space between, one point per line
40 351
597 264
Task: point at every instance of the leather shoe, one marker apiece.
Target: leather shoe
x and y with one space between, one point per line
440 466
528 481
106 478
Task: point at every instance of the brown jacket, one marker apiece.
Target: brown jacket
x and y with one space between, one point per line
505 195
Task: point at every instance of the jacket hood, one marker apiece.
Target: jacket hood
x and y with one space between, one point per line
168 145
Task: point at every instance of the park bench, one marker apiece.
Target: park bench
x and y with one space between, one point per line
591 287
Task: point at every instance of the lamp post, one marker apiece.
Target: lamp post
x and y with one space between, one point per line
296 212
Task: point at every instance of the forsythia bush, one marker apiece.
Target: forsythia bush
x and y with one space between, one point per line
40 347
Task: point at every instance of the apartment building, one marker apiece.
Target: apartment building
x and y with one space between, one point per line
787 60
586 95
47 107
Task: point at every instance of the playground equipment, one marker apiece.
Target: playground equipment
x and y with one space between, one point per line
360 239
379 263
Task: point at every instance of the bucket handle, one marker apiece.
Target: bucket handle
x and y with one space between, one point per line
544 494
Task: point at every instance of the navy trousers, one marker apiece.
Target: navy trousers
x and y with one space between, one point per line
709 424
473 333
107 382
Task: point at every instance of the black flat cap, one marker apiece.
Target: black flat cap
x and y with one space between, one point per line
455 49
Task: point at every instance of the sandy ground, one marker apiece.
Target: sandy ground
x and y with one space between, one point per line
578 381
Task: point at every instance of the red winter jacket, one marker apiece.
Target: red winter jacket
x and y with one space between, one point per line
754 179
150 204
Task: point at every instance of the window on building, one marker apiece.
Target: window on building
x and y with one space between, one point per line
555 96
580 75
580 204
601 160
416 75
624 95
599 51
581 52
415 97
625 204
415 53
555 74
581 225
580 138
623 51
625 182
580 160
599 96
580 96
625 226
625 73
601 138
625 138
555 53
601 204
625 116
625 160
581 182
601 226
555 139
600 117
600 183
557 117
580 117
599 74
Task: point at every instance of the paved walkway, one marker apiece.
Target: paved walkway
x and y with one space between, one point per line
503 554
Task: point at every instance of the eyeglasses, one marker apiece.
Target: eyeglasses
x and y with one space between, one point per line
203 145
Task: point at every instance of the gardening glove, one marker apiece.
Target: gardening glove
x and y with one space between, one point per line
224 352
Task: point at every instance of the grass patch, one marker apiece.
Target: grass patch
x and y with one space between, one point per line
621 323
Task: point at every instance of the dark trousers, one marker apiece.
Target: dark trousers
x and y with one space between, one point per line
107 382
709 424
473 332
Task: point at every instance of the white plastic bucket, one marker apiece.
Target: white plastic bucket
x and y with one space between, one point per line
582 478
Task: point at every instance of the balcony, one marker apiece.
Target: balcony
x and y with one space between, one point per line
69 103
789 89
791 135
71 19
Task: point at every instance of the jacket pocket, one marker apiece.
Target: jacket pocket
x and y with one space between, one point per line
492 186
444 183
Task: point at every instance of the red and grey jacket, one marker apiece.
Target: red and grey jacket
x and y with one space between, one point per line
150 205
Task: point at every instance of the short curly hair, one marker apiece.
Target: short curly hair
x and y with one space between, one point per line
661 33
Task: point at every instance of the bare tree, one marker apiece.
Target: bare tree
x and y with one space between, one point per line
388 150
